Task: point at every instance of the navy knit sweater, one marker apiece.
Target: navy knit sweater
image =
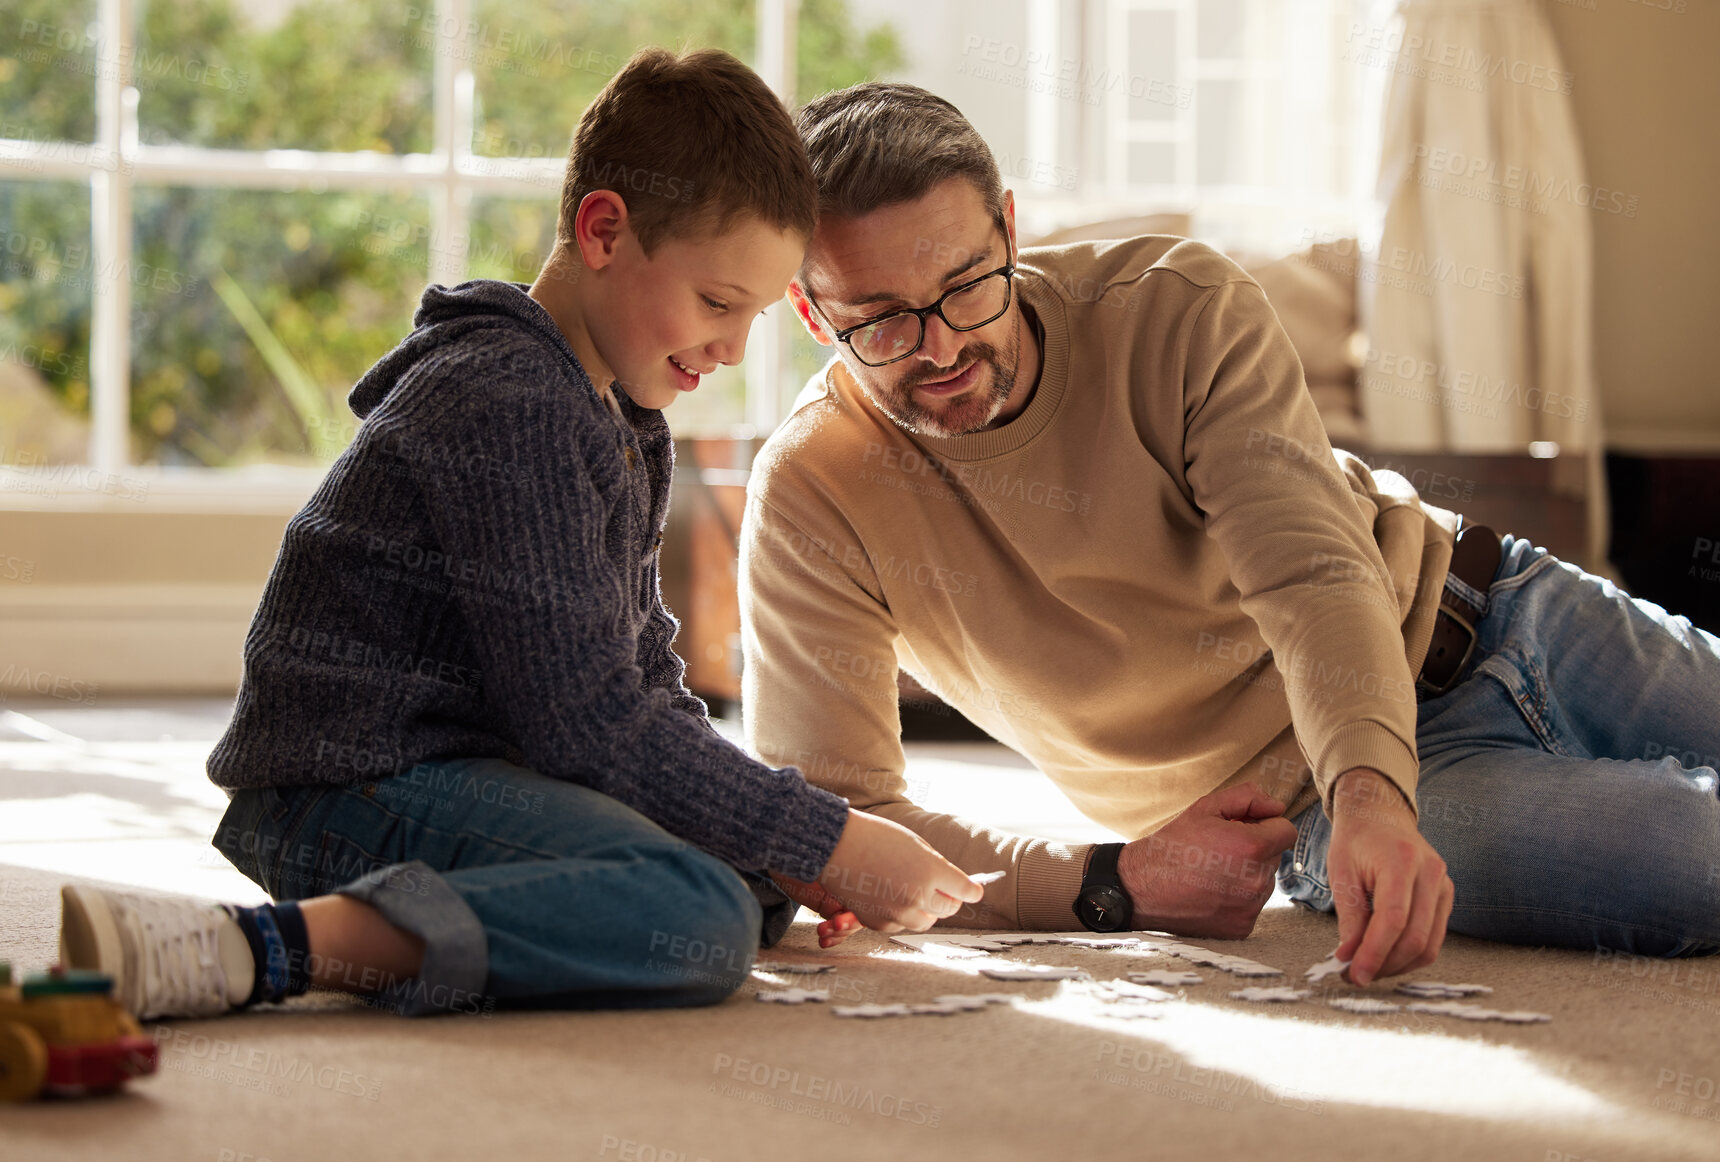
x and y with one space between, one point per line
476 576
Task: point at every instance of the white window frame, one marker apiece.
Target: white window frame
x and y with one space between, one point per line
451 175
1251 214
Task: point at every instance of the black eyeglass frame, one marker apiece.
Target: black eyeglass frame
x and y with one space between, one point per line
937 308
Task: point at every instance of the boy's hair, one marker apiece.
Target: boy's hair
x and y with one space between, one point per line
691 142
880 143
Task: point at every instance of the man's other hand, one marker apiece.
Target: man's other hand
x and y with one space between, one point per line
1389 885
1209 871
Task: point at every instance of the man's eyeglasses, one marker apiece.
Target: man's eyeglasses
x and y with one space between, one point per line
899 334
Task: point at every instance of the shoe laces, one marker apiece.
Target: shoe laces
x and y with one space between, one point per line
173 955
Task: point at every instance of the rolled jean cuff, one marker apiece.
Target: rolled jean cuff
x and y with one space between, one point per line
456 961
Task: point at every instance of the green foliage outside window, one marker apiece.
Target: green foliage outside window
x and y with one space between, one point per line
331 277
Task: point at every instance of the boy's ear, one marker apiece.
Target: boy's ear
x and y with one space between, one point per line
803 308
598 226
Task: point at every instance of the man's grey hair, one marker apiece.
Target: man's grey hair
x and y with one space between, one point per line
880 143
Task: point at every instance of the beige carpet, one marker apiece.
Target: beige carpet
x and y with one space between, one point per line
1626 1070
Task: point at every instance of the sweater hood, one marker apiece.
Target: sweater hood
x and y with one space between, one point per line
445 315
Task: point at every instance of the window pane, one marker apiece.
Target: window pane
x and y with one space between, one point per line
1153 81
1220 156
538 66
45 300
48 70
312 74
1218 29
510 238
1152 163
256 312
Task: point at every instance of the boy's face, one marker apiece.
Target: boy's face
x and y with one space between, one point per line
661 322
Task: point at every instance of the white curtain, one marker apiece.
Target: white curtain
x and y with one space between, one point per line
1475 295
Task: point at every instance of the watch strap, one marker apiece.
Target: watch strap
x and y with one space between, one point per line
1102 865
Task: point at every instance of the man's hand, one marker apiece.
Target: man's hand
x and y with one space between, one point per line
1209 871
838 920
1390 888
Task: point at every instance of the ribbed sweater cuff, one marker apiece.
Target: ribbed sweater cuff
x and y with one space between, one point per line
1367 744
1046 883
811 826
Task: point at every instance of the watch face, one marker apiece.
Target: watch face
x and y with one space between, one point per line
1104 908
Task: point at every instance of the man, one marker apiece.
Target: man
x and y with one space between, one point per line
1084 496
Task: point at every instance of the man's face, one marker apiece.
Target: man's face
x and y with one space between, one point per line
660 322
908 255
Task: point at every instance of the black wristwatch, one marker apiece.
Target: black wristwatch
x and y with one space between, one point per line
1103 905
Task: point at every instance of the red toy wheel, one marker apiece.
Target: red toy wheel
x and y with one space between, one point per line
23 1063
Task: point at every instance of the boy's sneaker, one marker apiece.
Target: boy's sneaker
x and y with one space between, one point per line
169 957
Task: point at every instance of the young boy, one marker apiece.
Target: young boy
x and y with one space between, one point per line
462 743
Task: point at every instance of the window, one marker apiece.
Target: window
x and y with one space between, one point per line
216 214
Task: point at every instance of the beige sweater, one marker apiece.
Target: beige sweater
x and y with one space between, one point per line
1157 580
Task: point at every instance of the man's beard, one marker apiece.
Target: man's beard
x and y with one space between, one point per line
959 415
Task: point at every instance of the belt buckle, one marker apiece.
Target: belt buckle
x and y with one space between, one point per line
1468 650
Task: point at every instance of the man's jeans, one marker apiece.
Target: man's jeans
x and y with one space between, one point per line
1569 780
527 891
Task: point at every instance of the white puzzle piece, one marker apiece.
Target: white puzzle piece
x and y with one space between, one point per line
803 968
1132 991
1271 996
1223 961
990 877
939 946
1238 966
947 1005
1032 972
974 1001
1434 990
1363 1005
791 996
1131 1012
1331 966
870 1011
1166 977
1470 1012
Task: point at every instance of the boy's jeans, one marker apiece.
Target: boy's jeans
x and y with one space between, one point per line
527 891
1569 780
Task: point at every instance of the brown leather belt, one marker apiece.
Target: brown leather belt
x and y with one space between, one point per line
1474 561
